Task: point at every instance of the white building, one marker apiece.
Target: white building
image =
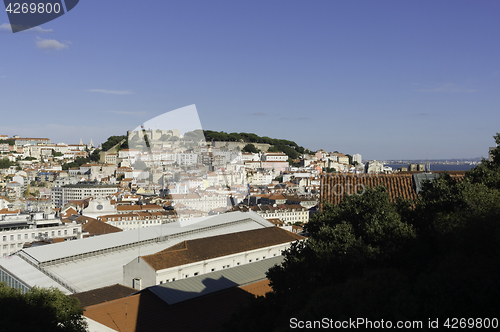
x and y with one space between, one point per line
357 158
20 229
274 156
374 166
200 256
73 192
94 262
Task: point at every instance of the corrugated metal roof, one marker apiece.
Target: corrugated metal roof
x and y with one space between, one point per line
190 288
79 247
107 269
28 274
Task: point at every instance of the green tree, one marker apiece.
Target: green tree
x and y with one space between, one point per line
39 309
95 155
436 257
114 140
250 148
362 229
5 163
56 154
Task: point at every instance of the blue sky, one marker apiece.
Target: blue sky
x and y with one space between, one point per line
386 79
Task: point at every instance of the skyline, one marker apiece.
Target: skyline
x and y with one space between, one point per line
387 80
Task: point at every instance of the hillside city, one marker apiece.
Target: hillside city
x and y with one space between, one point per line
159 176
154 207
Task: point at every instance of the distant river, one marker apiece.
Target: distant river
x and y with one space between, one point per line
438 167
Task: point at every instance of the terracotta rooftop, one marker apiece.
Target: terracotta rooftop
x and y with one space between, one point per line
335 186
104 294
95 227
146 312
217 246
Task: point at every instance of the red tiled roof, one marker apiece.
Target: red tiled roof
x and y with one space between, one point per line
96 227
146 312
335 186
104 294
217 246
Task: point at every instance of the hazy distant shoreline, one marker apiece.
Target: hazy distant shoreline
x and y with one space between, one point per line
439 167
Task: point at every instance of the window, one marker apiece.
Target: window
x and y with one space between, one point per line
168 280
196 273
249 261
264 257
257 259
65 232
5 237
213 270
12 237
161 282
5 246
238 263
274 255
75 230
173 279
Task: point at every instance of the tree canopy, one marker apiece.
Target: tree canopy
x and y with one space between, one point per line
6 163
250 148
435 257
79 161
9 141
290 148
114 140
39 309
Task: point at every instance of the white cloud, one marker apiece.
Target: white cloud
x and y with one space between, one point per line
39 30
448 87
112 92
50 44
7 27
128 113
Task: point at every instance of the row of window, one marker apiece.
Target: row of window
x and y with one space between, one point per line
5 238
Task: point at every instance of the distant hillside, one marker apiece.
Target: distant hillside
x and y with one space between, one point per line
290 148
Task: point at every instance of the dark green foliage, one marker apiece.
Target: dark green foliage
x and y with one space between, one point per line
8 141
79 161
6 163
114 140
39 310
95 155
250 148
438 257
56 154
290 148
363 229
